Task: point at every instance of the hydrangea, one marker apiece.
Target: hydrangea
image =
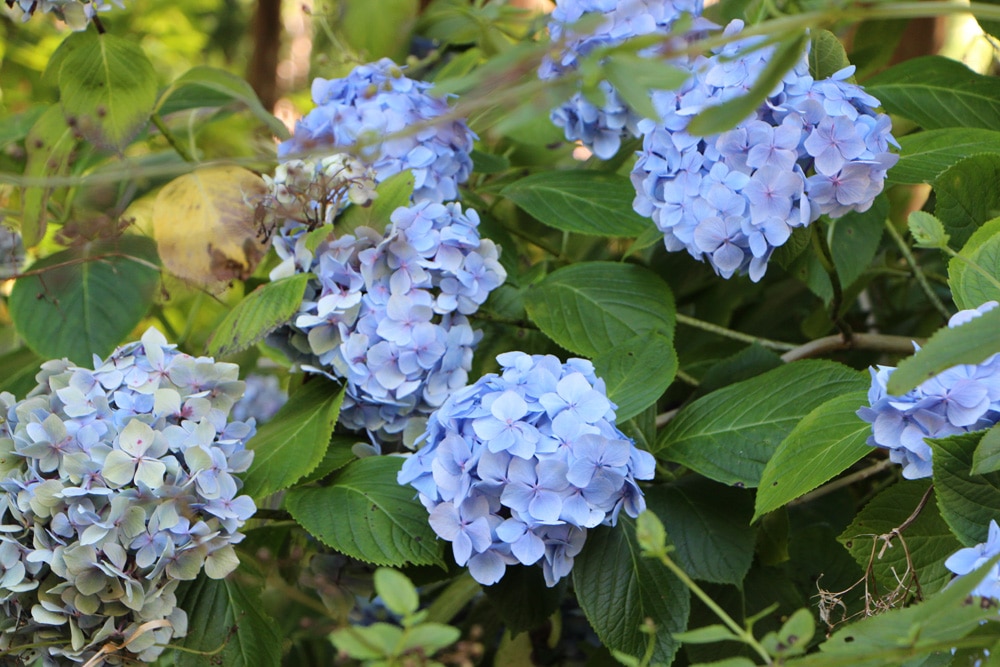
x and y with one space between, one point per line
516 467
812 148
11 252
387 311
601 128
76 13
261 400
964 561
961 399
391 124
118 483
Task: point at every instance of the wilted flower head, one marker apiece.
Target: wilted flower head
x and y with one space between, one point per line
601 128
391 124
516 467
811 148
961 399
76 13
119 482
387 310
313 192
964 561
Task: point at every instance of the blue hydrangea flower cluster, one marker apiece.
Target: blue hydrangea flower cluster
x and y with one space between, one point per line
812 148
602 128
964 561
76 13
390 123
118 483
961 399
517 467
387 311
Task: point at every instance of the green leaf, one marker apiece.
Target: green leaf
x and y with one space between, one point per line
968 502
709 525
728 662
371 642
18 370
338 454
85 300
634 76
826 54
938 92
827 441
969 287
107 88
725 116
707 635
258 314
730 434
522 600
794 636
585 202
611 574
204 86
637 372
378 28
651 534
590 307
49 147
967 197
986 458
393 192
365 514
969 343
926 155
430 638
488 163
856 239
226 613
927 231
928 539
295 440
17 126
397 591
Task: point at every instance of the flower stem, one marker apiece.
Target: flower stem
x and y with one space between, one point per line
735 335
917 271
171 139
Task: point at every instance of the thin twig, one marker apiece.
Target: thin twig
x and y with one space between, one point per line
837 484
859 341
171 139
918 273
730 333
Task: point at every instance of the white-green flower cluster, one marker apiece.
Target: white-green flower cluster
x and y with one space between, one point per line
118 483
76 13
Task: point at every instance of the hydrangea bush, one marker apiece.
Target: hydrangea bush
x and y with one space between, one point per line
599 450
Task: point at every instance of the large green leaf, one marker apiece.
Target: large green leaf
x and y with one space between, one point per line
938 92
709 525
856 239
969 343
18 370
987 456
826 442
85 300
365 514
637 372
968 502
826 54
295 440
618 589
49 147
967 196
969 287
590 307
258 313
204 86
926 155
393 192
730 434
585 202
928 540
107 88
226 613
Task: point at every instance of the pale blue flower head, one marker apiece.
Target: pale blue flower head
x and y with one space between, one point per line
967 560
390 123
961 399
517 466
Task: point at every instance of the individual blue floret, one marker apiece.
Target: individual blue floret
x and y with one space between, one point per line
961 399
119 482
516 467
602 128
967 560
391 124
812 148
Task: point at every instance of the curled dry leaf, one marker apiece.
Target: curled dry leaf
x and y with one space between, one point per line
204 225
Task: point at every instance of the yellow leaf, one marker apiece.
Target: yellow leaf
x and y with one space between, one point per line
204 224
